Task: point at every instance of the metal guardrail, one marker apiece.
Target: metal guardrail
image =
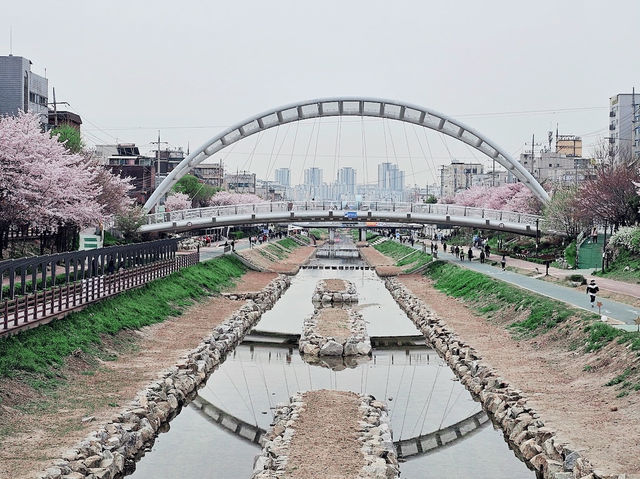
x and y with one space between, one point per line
39 307
283 206
23 275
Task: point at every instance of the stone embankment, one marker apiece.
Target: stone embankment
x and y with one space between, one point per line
335 332
334 291
104 453
507 406
292 449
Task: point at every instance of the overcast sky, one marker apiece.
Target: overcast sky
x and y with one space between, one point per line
506 68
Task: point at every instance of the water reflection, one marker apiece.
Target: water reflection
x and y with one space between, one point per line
422 393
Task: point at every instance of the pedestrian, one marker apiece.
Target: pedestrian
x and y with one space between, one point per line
461 254
503 262
487 249
431 248
470 254
482 257
594 234
435 249
444 247
592 290
457 251
250 242
233 245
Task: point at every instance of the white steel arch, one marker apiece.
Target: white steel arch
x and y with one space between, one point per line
347 106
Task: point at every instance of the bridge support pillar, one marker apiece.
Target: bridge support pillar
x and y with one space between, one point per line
363 234
332 235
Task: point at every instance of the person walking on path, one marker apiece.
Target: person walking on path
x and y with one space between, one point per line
481 257
487 249
503 262
461 254
457 251
592 291
444 247
470 254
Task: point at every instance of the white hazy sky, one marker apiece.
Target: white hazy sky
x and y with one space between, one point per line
190 68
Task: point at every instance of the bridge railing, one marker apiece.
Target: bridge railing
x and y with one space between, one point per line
379 206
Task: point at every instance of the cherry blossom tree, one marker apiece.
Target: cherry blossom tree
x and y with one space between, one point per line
610 196
42 184
222 198
511 197
177 201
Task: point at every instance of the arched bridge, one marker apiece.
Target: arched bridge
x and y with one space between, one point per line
319 212
348 106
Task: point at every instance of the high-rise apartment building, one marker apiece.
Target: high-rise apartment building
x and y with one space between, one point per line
346 181
283 177
313 177
623 140
21 89
390 177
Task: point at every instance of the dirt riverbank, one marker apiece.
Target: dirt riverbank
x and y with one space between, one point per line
38 424
565 385
383 265
289 265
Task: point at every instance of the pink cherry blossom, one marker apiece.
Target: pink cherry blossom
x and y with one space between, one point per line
177 201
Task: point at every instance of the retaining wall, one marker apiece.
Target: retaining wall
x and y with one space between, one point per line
507 406
104 453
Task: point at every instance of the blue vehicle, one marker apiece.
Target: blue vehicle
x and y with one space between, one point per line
351 215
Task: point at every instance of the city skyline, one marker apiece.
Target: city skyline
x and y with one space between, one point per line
189 101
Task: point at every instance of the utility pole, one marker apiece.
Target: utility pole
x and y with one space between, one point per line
158 143
493 173
533 142
55 107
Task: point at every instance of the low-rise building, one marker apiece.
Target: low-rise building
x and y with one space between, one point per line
125 160
21 89
241 182
210 173
458 176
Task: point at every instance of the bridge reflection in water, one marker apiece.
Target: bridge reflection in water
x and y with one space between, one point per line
417 444
436 424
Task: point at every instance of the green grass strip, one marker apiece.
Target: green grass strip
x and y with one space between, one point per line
43 349
404 255
492 294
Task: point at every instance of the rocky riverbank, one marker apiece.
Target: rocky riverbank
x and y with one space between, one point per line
334 291
508 407
104 453
335 332
304 444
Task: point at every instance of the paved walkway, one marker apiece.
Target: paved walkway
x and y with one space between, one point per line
615 310
612 285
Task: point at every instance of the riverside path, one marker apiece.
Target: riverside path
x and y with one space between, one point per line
612 309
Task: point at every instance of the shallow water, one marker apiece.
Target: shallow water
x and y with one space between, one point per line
421 392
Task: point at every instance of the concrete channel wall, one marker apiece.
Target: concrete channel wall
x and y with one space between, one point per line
104 453
507 406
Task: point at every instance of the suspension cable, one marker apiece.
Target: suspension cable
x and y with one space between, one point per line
427 404
249 394
406 407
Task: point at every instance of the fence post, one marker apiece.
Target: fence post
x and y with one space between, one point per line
6 314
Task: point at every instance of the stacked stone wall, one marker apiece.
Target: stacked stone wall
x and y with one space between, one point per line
374 434
314 344
537 444
106 452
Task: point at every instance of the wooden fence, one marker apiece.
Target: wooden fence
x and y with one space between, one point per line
40 307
